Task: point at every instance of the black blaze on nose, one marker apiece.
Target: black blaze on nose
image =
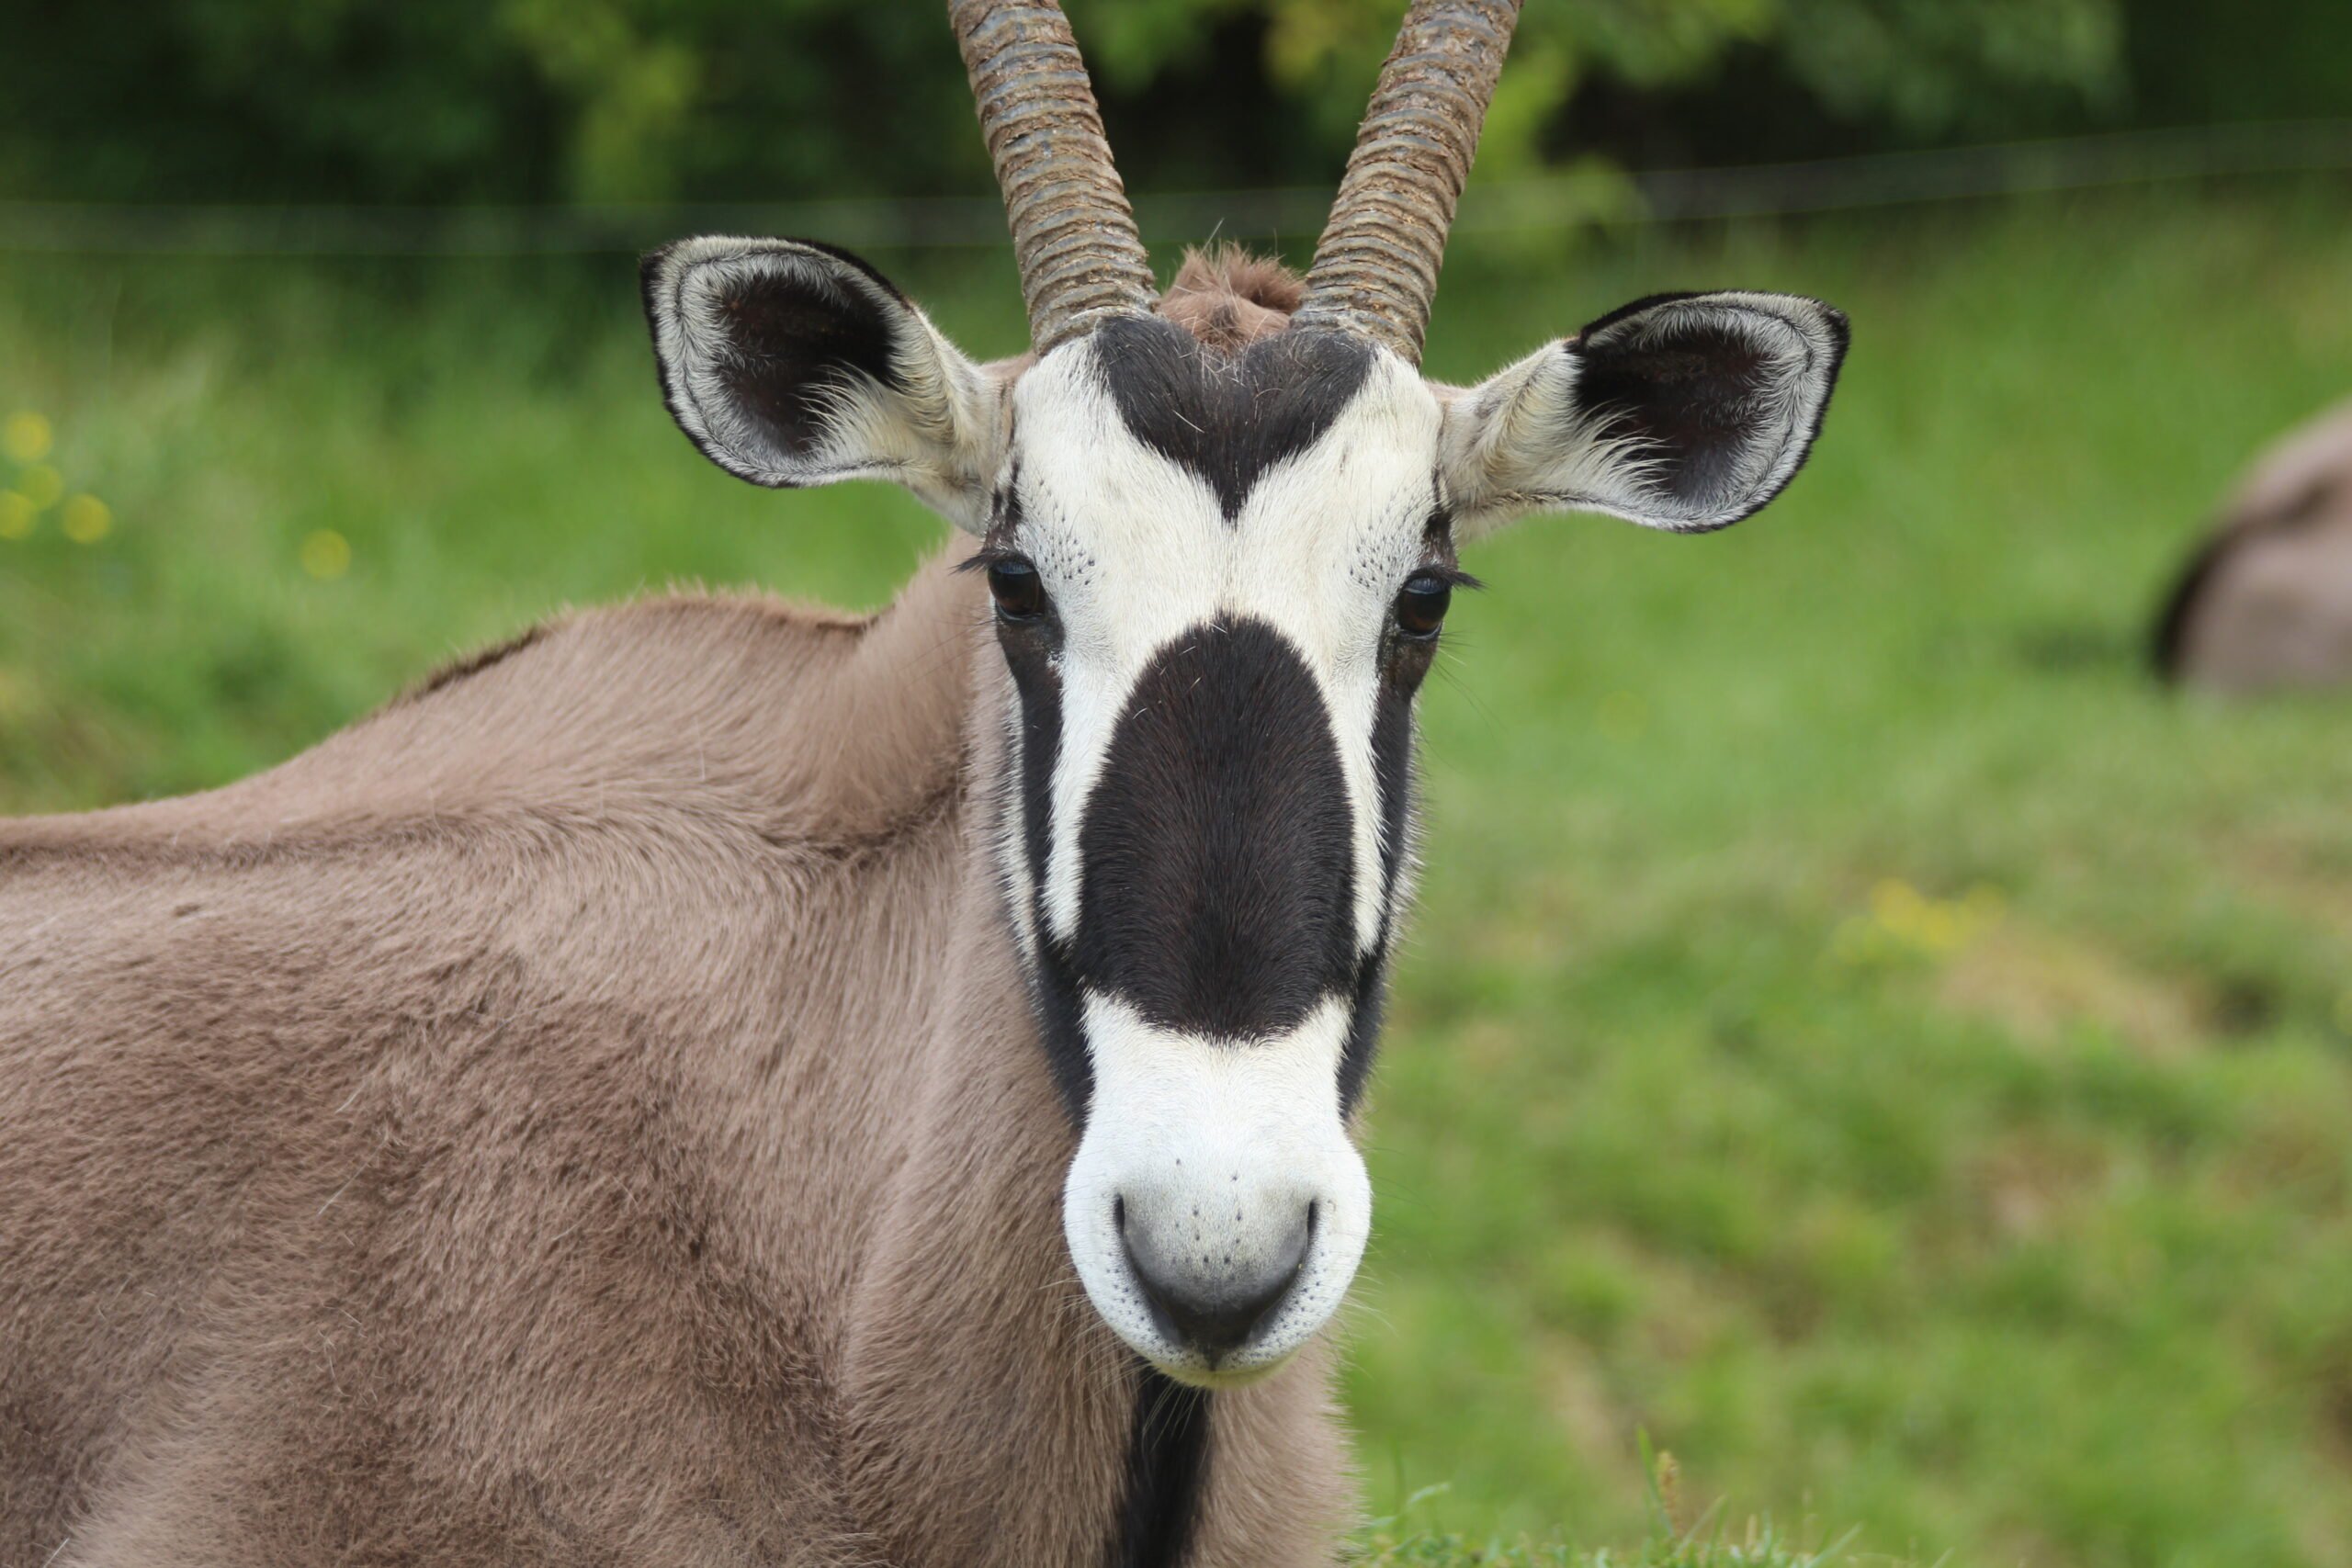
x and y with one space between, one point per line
1217 891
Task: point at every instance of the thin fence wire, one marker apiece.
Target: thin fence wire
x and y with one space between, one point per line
1551 203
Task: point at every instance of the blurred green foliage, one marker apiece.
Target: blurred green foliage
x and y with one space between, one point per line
459 100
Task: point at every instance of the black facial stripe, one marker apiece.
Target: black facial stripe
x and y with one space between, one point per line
1037 687
1363 1024
1168 1461
1437 531
1217 855
1041 745
1060 1005
1392 765
1061 1020
1392 771
1228 418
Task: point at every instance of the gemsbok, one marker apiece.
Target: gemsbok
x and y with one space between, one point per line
709 1083
2266 602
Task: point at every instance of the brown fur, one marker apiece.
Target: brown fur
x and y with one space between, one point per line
1228 299
2267 600
586 1113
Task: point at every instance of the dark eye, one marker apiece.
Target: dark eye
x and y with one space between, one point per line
1421 604
1020 594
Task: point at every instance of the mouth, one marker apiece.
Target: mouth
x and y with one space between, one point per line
1187 1362
1214 1379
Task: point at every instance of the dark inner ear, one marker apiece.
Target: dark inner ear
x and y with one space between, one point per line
794 344
794 340
1688 387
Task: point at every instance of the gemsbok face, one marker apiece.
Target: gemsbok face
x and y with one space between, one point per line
1220 538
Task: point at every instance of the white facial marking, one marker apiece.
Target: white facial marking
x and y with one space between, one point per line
1228 1141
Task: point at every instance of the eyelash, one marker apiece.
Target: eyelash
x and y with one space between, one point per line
988 555
1452 576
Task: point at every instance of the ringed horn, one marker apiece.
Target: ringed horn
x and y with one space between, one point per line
1375 267
1073 233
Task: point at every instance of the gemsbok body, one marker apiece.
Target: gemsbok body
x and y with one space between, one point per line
713 1084
2266 602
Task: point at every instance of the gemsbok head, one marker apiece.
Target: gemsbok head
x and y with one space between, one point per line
1219 527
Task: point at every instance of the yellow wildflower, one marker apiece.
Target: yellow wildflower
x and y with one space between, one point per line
87 520
25 436
326 554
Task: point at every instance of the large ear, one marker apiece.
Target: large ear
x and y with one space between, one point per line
1685 412
793 364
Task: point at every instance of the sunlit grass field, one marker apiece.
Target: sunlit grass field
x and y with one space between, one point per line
1859 1032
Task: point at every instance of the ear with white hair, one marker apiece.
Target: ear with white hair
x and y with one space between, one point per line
1684 411
793 364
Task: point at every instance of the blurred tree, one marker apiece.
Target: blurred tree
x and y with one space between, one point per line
1932 67
457 100
2192 60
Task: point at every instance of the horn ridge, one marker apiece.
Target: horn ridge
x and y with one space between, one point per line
1073 233
1376 266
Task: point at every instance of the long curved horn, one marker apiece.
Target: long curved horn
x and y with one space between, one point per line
1375 267
1073 233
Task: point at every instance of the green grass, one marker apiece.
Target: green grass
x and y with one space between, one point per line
1758 1546
1857 1030
1708 1541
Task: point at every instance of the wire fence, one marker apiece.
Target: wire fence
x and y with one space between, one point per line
1551 203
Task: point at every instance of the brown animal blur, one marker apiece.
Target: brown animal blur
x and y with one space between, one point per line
2268 601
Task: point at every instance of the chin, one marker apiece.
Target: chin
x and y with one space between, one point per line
1194 1373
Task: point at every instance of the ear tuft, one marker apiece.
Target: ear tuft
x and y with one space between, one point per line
793 364
1682 411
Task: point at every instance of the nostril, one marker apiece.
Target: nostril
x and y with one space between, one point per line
1215 1313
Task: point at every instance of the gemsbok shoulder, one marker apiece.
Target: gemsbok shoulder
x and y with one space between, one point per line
710 1084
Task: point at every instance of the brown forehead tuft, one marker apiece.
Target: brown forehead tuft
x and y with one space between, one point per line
1228 299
